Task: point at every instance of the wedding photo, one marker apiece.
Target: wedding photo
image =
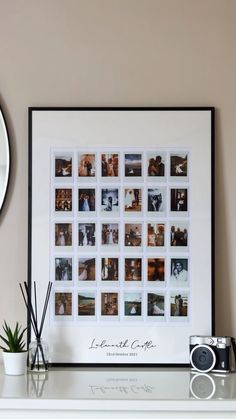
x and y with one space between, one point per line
179 234
156 200
63 199
63 269
109 304
87 269
179 165
178 305
179 272
133 304
63 234
110 165
63 166
86 304
86 234
110 269
86 200
156 305
179 200
133 165
156 164
155 235
133 200
133 269
86 165
63 303
156 269
110 200
133 235
110 234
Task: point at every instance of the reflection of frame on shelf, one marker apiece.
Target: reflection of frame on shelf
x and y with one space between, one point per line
121 206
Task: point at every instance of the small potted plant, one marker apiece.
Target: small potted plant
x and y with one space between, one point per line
14 352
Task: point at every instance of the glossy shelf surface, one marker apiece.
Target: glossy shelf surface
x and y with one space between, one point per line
158 390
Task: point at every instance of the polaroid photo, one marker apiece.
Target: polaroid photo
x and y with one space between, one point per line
133 165
86 235
179 200
110 235
86 201
133 236
86 166
110 201
132 304
110 269
109 304
109 165
63 166
156 165
63 200
133 270
179 272
63 234
155 235
156 271
179 236
63 269
87 269
155 305
179 305
132 201
86 304
156 201
63 304
179 169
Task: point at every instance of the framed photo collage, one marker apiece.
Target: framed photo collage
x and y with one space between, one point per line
120 235
120 222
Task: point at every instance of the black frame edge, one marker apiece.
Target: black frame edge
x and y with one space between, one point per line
30 116
213 217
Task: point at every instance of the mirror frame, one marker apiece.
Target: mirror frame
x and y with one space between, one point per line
8 159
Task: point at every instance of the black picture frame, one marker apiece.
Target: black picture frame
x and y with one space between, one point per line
40 117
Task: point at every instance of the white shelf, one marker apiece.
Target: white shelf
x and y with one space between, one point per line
128 391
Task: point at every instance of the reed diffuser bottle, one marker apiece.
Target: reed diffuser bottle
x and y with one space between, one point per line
38 348
38 355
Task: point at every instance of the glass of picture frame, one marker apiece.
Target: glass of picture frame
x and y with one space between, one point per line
121 221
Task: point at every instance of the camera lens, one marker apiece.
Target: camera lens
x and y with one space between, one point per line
203 358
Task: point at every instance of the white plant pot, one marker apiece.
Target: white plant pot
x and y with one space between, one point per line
15 363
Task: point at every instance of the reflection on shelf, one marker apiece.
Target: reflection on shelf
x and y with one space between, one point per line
36 384
212 386
97 384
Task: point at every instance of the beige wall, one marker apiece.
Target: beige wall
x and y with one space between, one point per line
120 53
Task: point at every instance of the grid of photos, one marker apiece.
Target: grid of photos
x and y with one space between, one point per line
120 235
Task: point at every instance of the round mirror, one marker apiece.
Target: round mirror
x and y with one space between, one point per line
4 159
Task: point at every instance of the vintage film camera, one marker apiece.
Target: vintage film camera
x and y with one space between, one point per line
208 353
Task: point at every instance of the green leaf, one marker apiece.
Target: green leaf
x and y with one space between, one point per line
13 338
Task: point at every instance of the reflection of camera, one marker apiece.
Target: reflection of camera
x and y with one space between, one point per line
211 386
209 353
202 386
